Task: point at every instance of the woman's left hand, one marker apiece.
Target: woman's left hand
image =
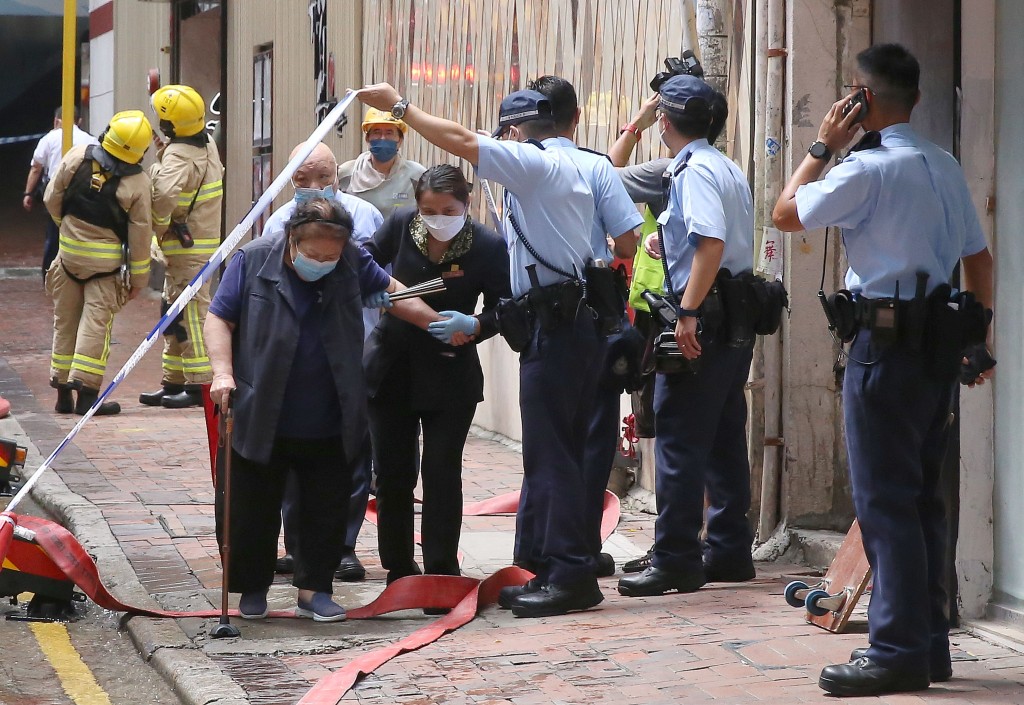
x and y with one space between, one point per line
456 329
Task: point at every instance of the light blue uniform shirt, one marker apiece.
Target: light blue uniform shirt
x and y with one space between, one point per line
709 198
365 221
904 207
614 212
551 201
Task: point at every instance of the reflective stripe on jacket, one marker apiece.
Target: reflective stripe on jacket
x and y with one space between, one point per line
182 173
88 249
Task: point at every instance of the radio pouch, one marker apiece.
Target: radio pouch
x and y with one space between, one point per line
514 322
606 294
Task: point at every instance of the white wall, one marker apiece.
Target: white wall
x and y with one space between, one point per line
1009 440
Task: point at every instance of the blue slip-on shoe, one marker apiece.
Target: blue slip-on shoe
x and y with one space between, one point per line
321 608
253 605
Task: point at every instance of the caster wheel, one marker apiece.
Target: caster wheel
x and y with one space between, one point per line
791 599
811 603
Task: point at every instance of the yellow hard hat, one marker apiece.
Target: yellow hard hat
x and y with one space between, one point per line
380 117
128 135
182 107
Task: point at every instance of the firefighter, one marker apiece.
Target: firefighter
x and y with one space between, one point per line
187 194
100 197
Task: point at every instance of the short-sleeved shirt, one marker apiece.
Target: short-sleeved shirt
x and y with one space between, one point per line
710 197
48 151
904 208
549 199
365 217
310 408
643 183
614 212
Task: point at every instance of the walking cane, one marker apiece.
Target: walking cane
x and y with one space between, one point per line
225 628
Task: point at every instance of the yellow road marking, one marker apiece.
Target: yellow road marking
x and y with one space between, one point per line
75 677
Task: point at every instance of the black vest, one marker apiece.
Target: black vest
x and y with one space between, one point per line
264 342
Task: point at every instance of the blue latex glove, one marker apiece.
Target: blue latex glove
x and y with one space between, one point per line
456 322
379 299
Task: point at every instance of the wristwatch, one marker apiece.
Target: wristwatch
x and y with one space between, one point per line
630 127
398 111
688 312
819 150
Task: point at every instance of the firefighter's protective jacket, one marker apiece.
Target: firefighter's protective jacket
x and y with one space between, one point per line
188 176
87 249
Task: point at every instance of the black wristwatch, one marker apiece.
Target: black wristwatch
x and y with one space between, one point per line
688 312
398 111
819 150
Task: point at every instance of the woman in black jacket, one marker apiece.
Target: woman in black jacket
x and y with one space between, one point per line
418 380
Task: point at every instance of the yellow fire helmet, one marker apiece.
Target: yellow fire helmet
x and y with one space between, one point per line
381 117
180 109
128 135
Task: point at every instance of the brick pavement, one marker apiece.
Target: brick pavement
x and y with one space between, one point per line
147 470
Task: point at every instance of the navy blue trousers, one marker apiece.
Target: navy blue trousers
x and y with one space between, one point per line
701 444
558 376
602 443
897 429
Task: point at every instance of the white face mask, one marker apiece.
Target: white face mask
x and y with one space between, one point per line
444 227
661 135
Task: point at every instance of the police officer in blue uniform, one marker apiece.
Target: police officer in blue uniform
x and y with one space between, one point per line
549 216
700 415
615 216
907 219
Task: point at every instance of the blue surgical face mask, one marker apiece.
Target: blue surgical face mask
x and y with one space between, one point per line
309 269
384 150
303 194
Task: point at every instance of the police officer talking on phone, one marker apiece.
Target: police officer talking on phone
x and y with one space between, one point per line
549 212
700 412
907 219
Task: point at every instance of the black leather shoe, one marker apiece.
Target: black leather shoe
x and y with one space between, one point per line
285 564
154 398
655 581
639 565
605 565
729 572
865 677
551 600
939 673
185 399
510 592
350 570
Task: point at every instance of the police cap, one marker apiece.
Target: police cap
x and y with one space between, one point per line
520 107
677 91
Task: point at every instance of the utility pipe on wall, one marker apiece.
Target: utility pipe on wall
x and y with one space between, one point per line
67 102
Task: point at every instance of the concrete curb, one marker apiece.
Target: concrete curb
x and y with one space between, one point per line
194 677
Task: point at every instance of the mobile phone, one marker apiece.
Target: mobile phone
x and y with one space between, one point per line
859 98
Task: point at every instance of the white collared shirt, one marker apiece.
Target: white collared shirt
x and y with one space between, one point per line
48 150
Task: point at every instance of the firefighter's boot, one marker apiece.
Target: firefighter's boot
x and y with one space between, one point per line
65 400
191 396
166 390
87 397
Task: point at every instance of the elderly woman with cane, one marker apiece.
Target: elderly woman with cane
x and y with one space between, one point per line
285 337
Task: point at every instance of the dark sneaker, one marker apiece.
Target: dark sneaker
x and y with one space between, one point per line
639 565
320 609
253 605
